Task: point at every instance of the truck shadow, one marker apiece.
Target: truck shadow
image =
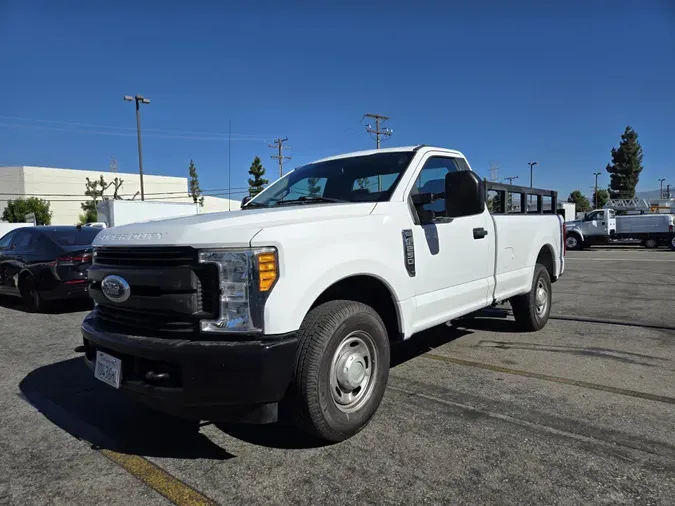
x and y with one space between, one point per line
67 394
55 307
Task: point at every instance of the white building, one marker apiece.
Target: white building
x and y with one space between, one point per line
64 189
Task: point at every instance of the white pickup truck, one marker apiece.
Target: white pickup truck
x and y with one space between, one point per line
289 305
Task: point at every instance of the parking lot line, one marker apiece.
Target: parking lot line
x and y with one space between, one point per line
555 379
159 480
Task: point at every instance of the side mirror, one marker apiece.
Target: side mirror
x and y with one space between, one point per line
464 194
245 200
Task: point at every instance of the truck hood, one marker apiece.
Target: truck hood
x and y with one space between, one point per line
224 229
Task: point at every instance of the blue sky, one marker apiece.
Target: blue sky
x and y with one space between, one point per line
553 83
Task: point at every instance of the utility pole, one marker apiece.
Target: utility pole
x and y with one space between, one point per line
139 100
511 178
379 119
279 145
595 202
661 191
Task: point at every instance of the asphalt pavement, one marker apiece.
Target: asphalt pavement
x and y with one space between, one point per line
582 412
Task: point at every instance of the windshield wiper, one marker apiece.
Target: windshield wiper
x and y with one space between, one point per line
253 204
309 200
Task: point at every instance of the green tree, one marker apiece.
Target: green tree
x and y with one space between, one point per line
96 190
256 184
603 197
581 202
313 186
626 166
195 190
16 210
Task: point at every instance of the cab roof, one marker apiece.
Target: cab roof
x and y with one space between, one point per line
421 148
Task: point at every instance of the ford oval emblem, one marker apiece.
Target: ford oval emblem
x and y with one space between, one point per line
115 288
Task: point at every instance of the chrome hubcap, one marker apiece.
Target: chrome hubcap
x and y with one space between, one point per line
352 372
541 297
571 242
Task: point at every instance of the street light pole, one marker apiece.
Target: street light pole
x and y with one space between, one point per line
661 191
596 174
139 100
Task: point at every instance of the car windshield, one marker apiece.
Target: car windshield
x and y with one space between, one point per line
73 237
366 178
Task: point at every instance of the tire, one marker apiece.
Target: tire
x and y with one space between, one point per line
531 310
671 243
651 243
573 242
346 333
30 295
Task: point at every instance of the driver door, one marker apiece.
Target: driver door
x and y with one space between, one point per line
597 223
454 260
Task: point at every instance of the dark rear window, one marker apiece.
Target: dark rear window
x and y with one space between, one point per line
74 237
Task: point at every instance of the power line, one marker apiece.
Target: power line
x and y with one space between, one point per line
130 129
379 119
279 145
215 137
120 195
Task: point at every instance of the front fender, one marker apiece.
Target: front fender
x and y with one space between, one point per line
577 231
303 278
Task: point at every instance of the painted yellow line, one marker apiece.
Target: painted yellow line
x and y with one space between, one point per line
159 480
555 379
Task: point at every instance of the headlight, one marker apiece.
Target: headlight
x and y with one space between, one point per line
246 276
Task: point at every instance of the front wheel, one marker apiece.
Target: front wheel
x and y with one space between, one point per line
531 310
573 242
342 368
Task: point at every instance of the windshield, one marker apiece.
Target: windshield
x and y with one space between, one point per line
75 237
367 178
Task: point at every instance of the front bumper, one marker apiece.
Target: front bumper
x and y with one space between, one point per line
216 380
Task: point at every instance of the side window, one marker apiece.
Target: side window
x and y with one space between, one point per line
6 239
22 240
432 179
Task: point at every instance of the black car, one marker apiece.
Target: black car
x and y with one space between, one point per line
42 264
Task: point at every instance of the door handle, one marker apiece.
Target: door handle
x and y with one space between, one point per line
603 222
479 233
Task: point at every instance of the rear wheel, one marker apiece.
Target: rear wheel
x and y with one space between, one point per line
531 310
30 294
341 370
651 243
671 243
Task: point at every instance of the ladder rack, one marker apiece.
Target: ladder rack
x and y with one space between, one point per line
503 190
628 205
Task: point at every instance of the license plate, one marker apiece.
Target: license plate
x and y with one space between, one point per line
108 369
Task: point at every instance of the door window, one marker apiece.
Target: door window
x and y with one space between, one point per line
432 179
22 240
